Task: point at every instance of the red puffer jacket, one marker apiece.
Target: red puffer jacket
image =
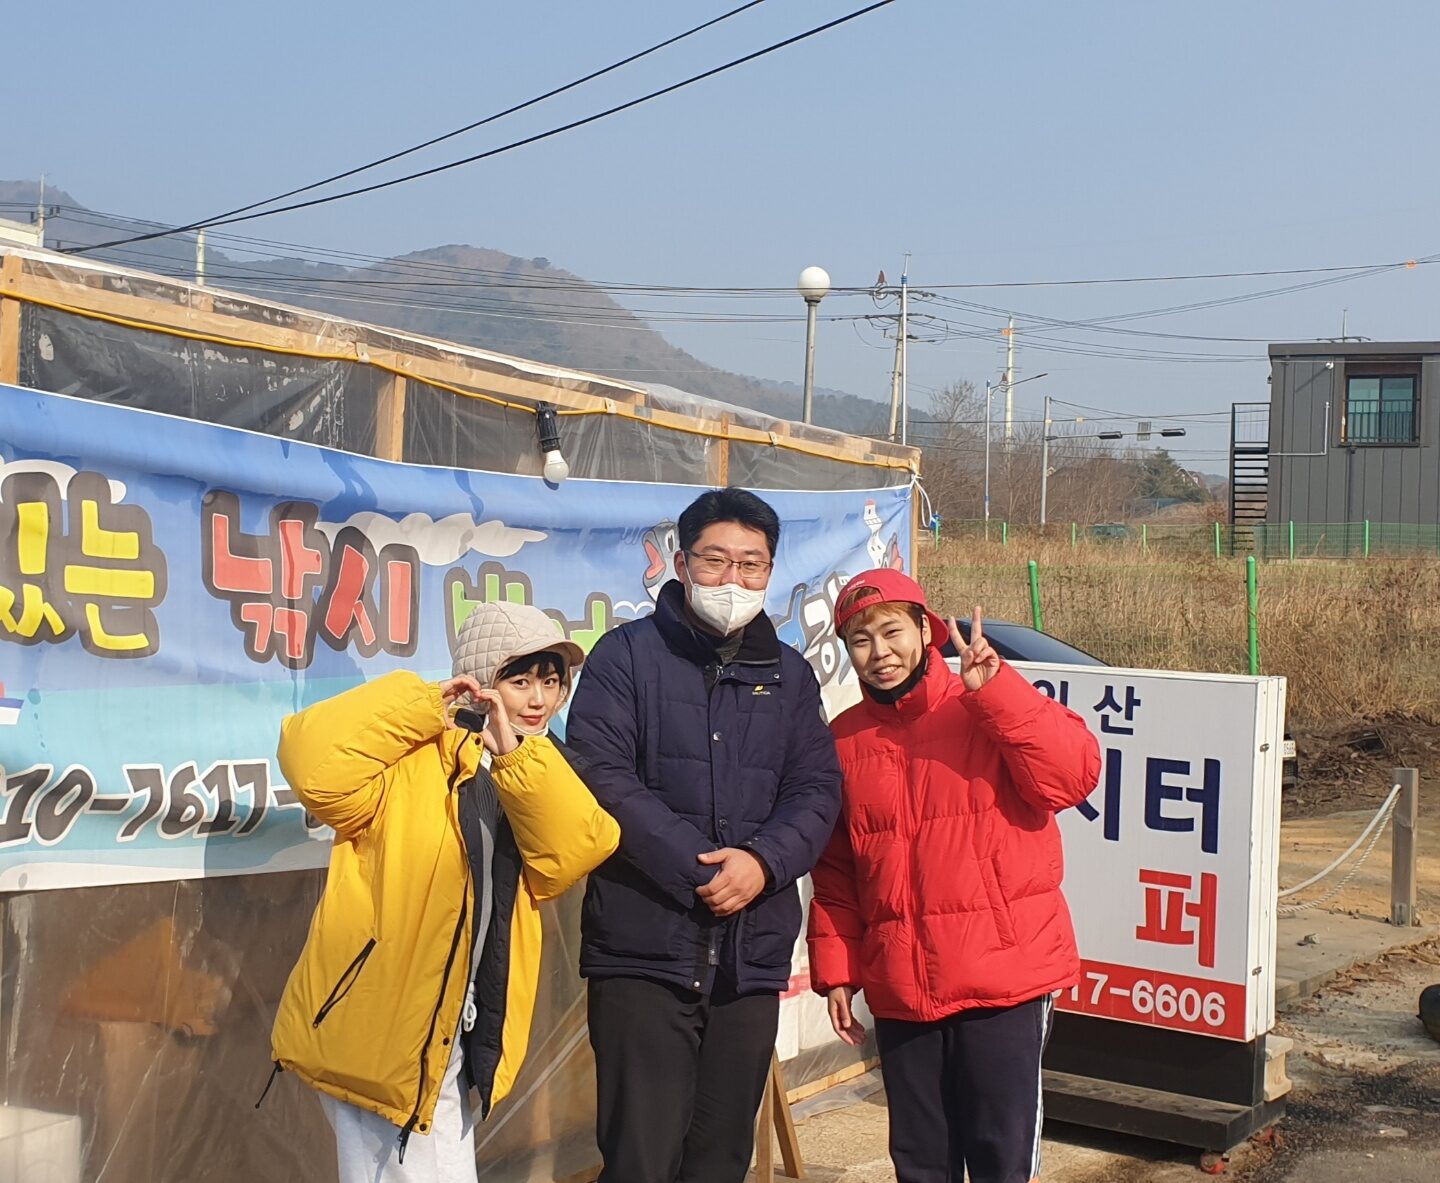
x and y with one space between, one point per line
940 888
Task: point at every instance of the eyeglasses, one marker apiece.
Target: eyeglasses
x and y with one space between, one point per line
717 565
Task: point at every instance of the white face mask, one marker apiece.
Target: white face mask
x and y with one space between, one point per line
726 608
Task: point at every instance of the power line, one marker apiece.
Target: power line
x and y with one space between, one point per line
1179 278
511 280
527 140
498 115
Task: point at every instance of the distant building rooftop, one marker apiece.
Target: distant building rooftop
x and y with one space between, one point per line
19 233
1352 348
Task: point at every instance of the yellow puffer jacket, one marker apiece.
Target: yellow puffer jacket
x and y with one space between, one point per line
374 1001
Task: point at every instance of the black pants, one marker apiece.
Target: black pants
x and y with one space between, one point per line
679 1078
964 1093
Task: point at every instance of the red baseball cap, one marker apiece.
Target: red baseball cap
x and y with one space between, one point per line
885 586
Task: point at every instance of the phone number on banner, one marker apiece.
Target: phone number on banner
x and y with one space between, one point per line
43 804
1157 999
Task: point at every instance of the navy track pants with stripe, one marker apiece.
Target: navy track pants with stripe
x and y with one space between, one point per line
964 1094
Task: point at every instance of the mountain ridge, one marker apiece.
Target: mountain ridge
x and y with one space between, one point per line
472 295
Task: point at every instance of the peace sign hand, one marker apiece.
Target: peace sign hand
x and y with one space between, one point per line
978 660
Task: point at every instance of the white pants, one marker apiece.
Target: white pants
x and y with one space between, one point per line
368 1147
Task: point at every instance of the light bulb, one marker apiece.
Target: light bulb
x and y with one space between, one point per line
556 470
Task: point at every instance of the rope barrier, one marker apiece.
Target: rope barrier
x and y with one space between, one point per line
1373 830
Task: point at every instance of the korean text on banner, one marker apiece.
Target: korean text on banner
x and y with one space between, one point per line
170 590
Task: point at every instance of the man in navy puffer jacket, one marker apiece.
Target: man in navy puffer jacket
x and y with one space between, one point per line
703 737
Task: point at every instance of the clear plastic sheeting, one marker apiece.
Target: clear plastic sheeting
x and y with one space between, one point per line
469 433
756 466
77 282
136 1019
330 403
108 333
136 1023
762 466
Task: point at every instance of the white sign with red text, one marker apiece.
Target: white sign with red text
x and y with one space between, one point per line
1170 864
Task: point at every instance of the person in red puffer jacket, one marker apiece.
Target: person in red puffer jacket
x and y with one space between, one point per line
939 893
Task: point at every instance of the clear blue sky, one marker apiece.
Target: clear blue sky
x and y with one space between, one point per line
1032 140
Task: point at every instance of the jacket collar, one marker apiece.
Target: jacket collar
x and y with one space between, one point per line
928 693
760 645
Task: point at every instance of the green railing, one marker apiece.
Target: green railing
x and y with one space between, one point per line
1268 540
1344 540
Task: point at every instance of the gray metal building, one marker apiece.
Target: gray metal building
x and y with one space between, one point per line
1350 438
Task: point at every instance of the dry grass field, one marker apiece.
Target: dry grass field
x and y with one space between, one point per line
1357 640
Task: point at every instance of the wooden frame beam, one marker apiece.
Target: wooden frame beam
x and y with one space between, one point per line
390 419
10 272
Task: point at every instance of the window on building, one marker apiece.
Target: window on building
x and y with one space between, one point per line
1381 409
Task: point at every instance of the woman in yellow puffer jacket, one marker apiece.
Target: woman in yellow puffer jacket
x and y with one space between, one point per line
418 979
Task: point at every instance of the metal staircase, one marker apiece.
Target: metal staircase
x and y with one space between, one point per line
1249 472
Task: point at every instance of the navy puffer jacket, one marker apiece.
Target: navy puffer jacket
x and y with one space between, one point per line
690 755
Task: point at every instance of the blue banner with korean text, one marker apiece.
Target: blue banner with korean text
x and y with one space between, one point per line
170 590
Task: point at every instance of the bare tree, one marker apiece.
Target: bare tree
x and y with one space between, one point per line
952 437
1090 480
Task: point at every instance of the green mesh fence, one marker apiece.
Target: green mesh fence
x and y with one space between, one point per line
1270 541
1344 540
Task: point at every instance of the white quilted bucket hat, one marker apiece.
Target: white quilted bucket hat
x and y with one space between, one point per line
493 635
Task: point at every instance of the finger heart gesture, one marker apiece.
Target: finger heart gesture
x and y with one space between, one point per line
978 660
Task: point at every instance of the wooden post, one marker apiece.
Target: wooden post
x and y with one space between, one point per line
785 1122
722 453
765 1134
9 321
390 420
1402 849
774 1122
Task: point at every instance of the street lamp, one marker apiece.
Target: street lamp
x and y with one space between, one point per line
1007 386
1099 435
1167 432
814 285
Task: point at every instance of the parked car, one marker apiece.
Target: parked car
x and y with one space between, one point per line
1020 642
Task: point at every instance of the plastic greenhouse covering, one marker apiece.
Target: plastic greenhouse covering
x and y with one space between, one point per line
136 1017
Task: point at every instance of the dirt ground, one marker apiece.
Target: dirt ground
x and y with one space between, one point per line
1366 1099
1309 844
1349 768
1367 1081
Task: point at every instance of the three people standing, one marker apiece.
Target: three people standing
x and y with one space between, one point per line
702 735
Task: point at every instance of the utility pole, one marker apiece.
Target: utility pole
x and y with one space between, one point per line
895 393
40 212
1009 381
200 258
987 459
1044 459
904 351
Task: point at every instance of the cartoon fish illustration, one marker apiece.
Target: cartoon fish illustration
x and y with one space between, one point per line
874 545
662 544
893 558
